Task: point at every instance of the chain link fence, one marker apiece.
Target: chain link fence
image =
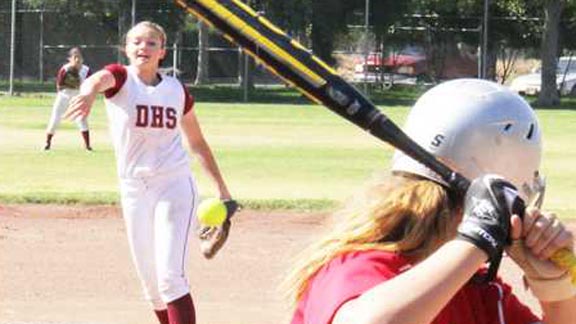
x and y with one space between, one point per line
43 38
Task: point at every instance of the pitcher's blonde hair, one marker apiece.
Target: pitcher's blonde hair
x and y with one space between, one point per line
153 26
400 213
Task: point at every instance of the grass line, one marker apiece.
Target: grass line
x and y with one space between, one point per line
94 199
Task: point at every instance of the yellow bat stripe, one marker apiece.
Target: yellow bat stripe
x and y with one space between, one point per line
275 72
263 20
197 14
279 31
319 61
272 27
298 45
565 259
271 68
258 38
245 7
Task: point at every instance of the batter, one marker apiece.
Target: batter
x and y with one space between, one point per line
409 250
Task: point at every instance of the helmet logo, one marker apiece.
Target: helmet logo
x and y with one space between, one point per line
437 140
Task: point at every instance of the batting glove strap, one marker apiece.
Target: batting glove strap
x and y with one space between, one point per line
551 290
486 221
488 240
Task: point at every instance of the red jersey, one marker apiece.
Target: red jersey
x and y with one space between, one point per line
348 276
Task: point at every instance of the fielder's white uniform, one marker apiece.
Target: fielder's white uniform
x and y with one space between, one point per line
65 93
158 192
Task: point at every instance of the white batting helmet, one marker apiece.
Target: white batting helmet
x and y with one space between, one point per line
476 127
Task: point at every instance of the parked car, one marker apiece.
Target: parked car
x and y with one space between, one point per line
411 66
403 67
529 84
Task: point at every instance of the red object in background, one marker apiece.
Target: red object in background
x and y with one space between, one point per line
415 64
409 64
406 63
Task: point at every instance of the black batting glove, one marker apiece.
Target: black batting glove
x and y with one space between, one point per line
488 206
232 206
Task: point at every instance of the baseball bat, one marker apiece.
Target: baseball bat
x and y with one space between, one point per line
293 63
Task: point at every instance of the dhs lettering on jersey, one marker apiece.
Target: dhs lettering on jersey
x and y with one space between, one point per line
155 116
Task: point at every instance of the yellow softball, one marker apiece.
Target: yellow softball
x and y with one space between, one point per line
211 212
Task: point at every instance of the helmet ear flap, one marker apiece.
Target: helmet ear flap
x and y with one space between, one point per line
483 126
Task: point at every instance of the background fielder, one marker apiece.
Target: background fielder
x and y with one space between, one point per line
68 80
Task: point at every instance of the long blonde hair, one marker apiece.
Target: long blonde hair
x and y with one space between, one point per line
401 213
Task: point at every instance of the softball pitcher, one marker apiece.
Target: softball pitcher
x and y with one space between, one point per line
410 251
147 114
68 81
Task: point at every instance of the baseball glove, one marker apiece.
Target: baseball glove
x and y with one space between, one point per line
212 238
71 79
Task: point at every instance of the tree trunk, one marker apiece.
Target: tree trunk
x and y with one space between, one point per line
549 95
491 62
246 70
202 70
324 28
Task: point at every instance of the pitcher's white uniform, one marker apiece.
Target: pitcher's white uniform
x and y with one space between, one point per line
65 93
158 192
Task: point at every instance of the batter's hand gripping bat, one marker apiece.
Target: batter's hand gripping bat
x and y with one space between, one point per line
293 63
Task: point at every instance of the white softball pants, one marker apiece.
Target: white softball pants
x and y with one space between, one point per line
59 108
159 217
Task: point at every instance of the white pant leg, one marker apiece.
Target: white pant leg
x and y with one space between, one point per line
175 221
82 123
138 212
58 109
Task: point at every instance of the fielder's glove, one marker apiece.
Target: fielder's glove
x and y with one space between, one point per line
488 206
71 79
212 238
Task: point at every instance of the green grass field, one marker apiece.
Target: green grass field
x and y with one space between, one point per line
272 155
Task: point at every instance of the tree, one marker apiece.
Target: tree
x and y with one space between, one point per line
568 26
549 95
291 16
328 21
202 69
445 26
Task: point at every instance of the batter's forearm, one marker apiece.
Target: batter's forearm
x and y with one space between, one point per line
419 294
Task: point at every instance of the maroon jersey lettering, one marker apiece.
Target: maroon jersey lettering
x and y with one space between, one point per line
141 116
170 117
157 117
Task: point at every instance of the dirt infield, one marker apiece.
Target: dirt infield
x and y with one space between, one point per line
71 265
